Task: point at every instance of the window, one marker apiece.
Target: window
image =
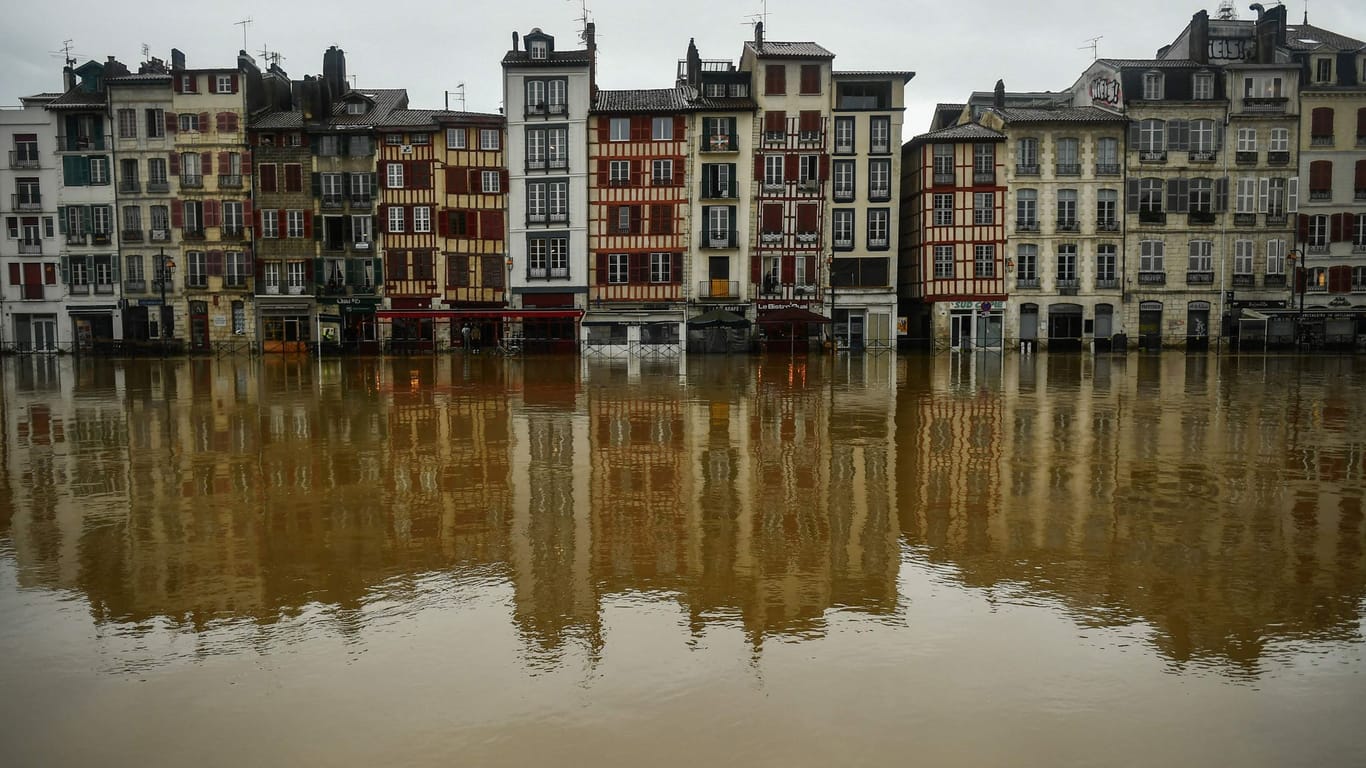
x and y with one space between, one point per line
1318 231
294 276
133 269
360 230
811 79
1245 196
1201 196
808 170
1107 209
1203 85
662 172
618 268
490 182
294 223
943 161
1261 87
1027 156
102 219
1150 256
536 202
1280 140
1027 209
619 129
1201 256
132 220
535 97
1202 137
535 148
99 170
156 123
880 135
1247 139
488 139
1323 70
773 170
420 139
455 138
943 261
1027 264
558 147
619 172
539 49
984 208
879 179
718 223
196 270
396 219
558 91
422 219
1152 86
775 80
1067 265
661 268
161 221
878 223
1152 136
983 160
1067 209
128 124
1106 260
1275 257
294 177
1068 162
842 221
662 129
223 84
394 176
1150 195
984 261
1107 155
943 210
1242 257
232 217
844 135
234 269
844 180
270 275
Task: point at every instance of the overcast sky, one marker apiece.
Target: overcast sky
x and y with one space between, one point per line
953 46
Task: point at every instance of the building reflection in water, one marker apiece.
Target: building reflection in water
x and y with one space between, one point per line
1217 501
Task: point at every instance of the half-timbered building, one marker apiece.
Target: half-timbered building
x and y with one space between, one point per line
638 222
472 183
407 219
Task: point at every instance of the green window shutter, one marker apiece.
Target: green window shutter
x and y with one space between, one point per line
114 267
61 219
72 168
66 270
374 184
317 184
86 220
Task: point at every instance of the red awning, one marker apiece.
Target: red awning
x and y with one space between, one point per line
456 314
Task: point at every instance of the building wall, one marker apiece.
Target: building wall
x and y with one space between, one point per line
25 257
472 226
89 255
737 289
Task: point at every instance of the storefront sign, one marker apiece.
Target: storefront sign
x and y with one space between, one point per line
354 301
903 326
284 309
981 306
1260 304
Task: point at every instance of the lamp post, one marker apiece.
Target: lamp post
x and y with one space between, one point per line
834 324
507 298
1300 283
166 267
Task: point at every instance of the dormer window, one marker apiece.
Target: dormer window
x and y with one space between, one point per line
355 108
1152 86
1323 70
714 90
539 50
1203 86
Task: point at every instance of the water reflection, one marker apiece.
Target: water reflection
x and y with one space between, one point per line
1218 502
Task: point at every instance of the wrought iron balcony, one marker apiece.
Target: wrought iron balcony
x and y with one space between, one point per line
1027 282
230 180
23 159
1152 278
1200 156
1068 286
1244 281
1069 169
1244 219
1322 140
1107 169
718 289
1152 217
158 187
879 194
1107 225
131 235
1273 281
1068 225
1320 194
943 179
1027 226
1199 278
1201 217
79 143
129 186
26 201
30 247
1278 158
844 195
191 181
1152 156
1026 169
720 142
1107 282
1245 157
332 202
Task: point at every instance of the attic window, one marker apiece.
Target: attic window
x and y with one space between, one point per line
1204 85
355 107
1323 70
538 50
1152 86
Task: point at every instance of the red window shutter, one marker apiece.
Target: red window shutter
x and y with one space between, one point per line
384 217
604 129
223 162
267 177
1339 279
759 167
790 169
1359 183
282 223
14 274
637 173
1321 122
789 268
773 217
248 266
1335 227
809 120
232 122
1361 124
219 122
824 167
173 162
204 121
215 263
676 264
639 266
503 181
604 169
308 225
633 217
472 224
206 163
806 217
246 162
601 270
1304 228
442 224
258 221
811 78
210 213
234 83
810 268
775 121
476 185
246 211
775 79
172 122
1321 175
457 182
496 222
680 168
177 215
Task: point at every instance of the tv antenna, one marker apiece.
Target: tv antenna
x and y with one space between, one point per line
66 53
761 16
244 23
459 94
271 57
583 18
146 52
1092 43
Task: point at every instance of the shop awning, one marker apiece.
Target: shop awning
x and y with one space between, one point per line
718 317
456 314
791 316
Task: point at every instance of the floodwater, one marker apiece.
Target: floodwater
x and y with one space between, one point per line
944 561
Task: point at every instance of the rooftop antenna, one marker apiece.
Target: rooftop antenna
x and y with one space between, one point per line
459 94
244 23
1228 11
761 16
271 57
583 18
1094 44
146 52
66 53
354 82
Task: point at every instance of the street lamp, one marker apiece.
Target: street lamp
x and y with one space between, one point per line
834 324
1300 283
166 267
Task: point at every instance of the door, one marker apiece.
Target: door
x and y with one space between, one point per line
199 326
960 331
1197 325
1150 325
1064 327
855 338
718 275
45 334
1105 326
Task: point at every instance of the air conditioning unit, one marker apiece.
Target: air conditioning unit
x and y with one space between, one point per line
406 149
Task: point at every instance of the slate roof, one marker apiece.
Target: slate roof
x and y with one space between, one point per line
556 58
965 132
385 100
1296 34
724 103
279 121
78 99
143 79
1063 115
643 100
783 50
470 117
1154 63
408 118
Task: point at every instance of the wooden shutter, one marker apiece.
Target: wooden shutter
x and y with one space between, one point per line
604 170
824 168
640 268
809 120
1133 135
633 219
807 217
811 78
172 121
775 121
206 163
1321 176
775 79
681 128
502 181
173 163
215 263
457 181
210 213
15 277
1339 279
443 228
601 269
177 214
637 173
204 122
1178 195
1221 194
421 174
308 225
491 225
676 267
1178 135
640 128
772 217
1335 228
267 179
234 83
220 121
1321 122
791 166
224 162
1304 228
1359 178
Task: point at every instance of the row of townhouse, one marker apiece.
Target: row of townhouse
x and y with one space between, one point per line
1214 192
222 208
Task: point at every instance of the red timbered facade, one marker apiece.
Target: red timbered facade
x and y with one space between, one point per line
407 219
638 219
471 227
954 189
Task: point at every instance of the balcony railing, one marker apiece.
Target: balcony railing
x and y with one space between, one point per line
1068 286
1067 225
1152 278
1244 219
1244 281
1199 278
191 181
100 238
879 148
79 289
78 143
192 234
1026 169
1359 247
75 238
720 142
1325 140
1107 169
983 177
1069 169
1317 247
333 202
155 187
1107 225
879 194
1152 217
1152 156
719 240
844 195
22 159
1265 105
134 286
30 247
1316 288
1278 158
230 180
104 289
1201 217
26 201
844 243
1026 226
131 235
1026 282
129 186
1107 282
1273 281
362 201
844 147
1277 220
1359 194
1320 194
1200 156
718 289
877 242
1245 157
231 232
